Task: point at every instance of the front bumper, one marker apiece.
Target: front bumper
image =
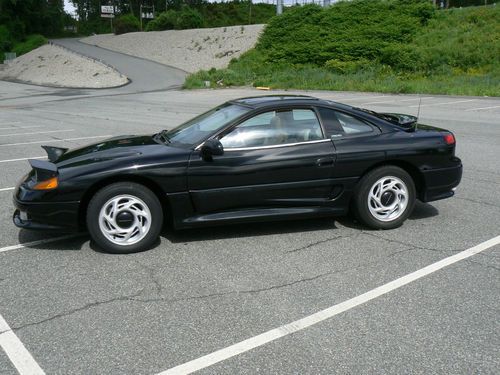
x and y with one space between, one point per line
47 216
441 183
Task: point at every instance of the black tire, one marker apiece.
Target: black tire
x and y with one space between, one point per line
136 193
361 201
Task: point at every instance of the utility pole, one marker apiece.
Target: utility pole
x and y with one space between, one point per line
279 7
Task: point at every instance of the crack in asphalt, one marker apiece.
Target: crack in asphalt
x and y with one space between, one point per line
320 242
237 292
480 180
78 309
273 287
478 202
483 264
408 243
150 272
151 275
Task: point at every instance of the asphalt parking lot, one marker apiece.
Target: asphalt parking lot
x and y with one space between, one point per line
67 308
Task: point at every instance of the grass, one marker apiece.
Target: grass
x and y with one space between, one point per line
456 52
30 43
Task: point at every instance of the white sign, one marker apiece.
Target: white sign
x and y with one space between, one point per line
107 15
107 9
148 15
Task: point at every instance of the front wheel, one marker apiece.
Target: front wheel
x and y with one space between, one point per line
385 197
124 218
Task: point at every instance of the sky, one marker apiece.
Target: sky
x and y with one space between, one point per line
68 7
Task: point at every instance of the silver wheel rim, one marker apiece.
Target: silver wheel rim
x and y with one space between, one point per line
135 209
388 198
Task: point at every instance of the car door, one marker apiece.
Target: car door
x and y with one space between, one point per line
358 143
278 158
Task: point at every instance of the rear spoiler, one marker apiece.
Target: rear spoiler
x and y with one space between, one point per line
43 169
408 122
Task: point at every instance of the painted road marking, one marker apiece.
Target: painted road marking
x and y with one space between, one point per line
35 243
10 122
308 321
20 159
20 357
481 108
54 140
44 132
445 103
423 98
397 101
7 189
21 127
363 97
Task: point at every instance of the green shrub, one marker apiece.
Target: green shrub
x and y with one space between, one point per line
373 45
6 42
30 43
164 21
186 18
358 29
189 18
127 23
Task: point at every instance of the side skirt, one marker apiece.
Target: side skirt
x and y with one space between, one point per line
259 215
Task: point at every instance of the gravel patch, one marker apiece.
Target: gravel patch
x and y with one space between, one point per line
51 65
189 50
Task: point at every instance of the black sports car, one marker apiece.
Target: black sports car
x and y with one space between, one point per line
251 159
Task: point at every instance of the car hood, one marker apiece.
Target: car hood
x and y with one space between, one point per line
122 147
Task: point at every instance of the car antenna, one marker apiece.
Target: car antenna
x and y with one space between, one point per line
418 112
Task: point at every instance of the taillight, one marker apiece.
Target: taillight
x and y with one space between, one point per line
449 139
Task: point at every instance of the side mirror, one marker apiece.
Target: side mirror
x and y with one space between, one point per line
210 148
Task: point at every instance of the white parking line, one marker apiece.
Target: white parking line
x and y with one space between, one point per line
20 159
481 108
20 357
445 103
45 132
423 98
35 243
7 189
308 321
21 127
396 101
363 97
54 140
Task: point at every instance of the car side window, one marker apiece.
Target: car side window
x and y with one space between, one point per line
352 125
339 123
275 128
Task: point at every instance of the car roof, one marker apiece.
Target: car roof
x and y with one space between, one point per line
267 100
271 100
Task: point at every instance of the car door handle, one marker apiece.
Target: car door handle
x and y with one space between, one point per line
324 161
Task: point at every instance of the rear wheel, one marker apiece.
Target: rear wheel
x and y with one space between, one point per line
385 197
124 218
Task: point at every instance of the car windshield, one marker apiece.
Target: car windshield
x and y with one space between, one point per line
196 130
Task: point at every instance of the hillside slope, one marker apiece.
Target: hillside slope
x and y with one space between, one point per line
373 45
51 65
189 50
